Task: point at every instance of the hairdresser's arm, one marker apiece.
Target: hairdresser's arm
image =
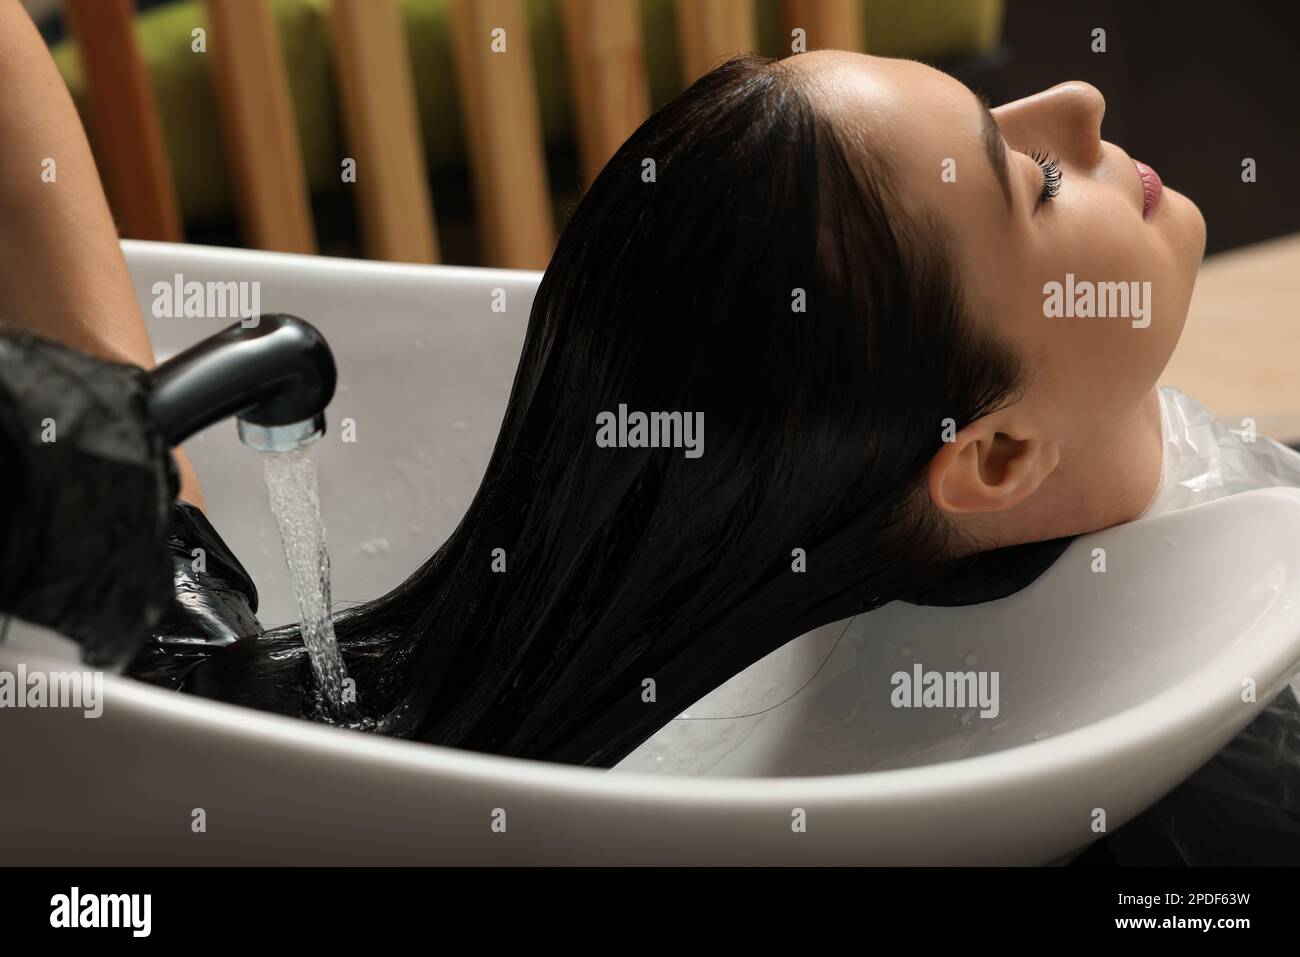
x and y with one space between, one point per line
61 269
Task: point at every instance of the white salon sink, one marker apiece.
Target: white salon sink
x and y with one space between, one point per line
1113 687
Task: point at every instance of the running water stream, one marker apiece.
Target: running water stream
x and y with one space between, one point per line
295 502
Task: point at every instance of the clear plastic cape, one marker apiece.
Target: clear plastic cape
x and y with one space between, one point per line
1206 459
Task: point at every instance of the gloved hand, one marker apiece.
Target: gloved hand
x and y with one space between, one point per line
86 481
214 603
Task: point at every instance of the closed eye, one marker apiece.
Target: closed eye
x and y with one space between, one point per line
1051 168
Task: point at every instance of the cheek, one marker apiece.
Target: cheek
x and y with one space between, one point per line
1110 358
1106 309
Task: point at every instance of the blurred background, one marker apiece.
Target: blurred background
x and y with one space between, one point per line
231 122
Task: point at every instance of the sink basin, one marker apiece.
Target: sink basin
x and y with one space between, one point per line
1113 687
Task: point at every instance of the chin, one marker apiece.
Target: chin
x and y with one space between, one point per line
1186 227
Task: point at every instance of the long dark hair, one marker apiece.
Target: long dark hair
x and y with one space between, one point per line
638 579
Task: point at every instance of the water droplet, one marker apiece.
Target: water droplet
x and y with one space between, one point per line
373 547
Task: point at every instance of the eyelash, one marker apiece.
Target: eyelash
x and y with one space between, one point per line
1051 168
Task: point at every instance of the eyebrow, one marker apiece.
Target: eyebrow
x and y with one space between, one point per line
995 147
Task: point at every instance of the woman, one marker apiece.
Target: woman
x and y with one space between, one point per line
838 262
833 264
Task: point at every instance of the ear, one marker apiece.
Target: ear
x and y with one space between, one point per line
989 466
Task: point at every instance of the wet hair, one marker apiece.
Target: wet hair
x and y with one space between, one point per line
741 258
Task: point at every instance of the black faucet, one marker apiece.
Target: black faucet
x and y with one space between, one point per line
274 375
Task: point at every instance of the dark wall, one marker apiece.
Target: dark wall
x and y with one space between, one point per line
1191 88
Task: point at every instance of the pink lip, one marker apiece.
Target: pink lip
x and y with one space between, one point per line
1151 188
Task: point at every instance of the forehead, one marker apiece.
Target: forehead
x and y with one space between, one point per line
896 103
928 128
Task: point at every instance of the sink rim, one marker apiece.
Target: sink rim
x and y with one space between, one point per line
1200 704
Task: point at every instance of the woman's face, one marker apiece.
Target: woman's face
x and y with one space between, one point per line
1018 229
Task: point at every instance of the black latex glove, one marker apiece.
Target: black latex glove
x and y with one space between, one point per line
213 605
82 517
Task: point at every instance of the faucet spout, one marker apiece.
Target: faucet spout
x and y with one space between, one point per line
275 377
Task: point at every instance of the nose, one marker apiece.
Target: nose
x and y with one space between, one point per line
1065 119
